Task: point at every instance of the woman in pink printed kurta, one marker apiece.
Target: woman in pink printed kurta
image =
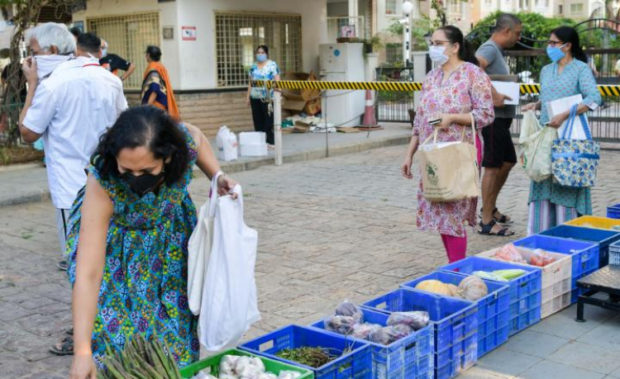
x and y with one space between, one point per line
453 90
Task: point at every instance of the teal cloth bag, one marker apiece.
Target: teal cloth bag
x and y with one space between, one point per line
574 162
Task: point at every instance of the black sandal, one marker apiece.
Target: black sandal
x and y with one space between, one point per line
64 347
503 219
69 332
487 230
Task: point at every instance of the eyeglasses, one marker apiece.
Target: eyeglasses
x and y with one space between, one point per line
555 43
437 43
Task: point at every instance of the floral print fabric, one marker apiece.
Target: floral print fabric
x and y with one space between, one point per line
144 286
267 72
467 89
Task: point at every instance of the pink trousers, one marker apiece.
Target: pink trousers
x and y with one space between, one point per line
456 247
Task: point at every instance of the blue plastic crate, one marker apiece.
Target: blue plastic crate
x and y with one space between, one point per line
356 364
524 291
409 357
585 255
454 322
613 211
493 309
602 237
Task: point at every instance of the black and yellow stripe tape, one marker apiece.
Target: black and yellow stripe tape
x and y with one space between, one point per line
606 90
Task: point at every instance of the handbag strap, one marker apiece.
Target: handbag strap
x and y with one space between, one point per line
586 126
213 195
568 130
473 130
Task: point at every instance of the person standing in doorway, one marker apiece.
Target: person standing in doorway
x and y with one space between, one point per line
156 86
259 97
499 151
113 62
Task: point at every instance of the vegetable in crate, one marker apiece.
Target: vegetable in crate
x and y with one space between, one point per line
509 253
541 258
500 275
346 308
415 320
140 358
434 286
341 324
362 331
390 333
309 356
473 288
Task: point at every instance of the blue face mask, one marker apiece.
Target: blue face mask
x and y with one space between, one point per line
261 57
555 53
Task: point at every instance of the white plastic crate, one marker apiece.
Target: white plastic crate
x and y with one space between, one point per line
614 254
252 138
556 277
253 150
556 304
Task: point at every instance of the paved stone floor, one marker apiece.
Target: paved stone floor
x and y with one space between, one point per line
330 229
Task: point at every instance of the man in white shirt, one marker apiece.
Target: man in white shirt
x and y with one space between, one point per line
71 109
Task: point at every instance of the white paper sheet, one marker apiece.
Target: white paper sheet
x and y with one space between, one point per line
563 105
509 89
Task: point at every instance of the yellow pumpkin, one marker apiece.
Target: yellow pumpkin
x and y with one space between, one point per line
434 286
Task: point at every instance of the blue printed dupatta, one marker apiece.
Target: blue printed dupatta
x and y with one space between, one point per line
574 162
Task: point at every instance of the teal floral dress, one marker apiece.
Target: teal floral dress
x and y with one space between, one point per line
550 203
144 287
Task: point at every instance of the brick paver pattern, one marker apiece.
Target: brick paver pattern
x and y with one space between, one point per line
330 229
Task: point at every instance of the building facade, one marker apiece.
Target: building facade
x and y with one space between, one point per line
208 46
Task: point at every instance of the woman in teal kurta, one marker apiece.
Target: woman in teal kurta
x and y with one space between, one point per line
128 238
551 204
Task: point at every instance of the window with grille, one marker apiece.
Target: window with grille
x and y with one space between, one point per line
238 34
390 7
128 37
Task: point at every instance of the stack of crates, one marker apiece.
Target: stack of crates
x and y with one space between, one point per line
454 324
211 366
353 356
584 255
555 282
614 254
493 309
613 211
408 357
524 291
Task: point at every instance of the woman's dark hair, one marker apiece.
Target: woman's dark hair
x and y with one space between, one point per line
454 35
265 49
567 34
154 52
144 126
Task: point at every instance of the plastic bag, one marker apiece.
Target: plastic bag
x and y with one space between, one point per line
227 145
285 374
362 331
346 308
416 319
536 142
509 253
541 258
389 334
340 324
229 305
198 251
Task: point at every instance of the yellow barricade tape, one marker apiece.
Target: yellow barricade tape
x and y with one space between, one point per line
605 90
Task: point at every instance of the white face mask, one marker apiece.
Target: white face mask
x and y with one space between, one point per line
437 54
47 63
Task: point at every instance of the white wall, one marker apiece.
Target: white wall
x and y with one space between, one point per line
198 56
167 16
192 64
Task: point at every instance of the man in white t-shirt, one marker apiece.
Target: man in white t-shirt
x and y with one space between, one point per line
71 109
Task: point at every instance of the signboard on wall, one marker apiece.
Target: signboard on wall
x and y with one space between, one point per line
188 33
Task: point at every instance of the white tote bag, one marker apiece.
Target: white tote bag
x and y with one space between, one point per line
227 146
229 305
536 142
199 249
